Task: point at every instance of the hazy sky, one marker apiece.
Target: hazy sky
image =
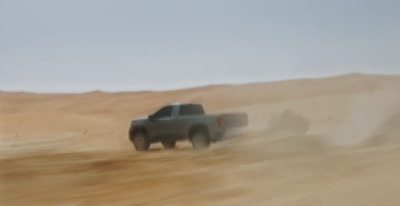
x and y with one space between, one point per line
112 45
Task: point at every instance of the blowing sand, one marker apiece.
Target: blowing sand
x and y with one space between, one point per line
332 141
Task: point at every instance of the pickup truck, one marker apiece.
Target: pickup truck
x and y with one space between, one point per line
182 121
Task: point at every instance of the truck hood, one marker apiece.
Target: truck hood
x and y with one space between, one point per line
140 118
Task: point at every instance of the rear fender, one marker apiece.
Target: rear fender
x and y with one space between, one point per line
198 128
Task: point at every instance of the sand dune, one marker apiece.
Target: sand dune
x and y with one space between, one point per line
330 141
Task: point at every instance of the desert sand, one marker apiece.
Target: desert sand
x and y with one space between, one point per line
329 142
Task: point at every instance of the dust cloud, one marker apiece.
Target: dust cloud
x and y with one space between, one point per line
371 114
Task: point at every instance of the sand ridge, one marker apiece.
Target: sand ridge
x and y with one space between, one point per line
329 141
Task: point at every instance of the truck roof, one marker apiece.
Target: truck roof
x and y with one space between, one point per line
183 103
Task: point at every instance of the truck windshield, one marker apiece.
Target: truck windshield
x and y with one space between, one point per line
191 109
165 112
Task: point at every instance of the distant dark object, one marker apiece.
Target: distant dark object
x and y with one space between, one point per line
287 124
180 122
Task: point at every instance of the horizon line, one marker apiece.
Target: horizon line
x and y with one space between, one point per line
198 86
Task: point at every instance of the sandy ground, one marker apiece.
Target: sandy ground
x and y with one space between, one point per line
332 141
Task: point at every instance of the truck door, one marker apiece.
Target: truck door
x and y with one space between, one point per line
161 125
187 115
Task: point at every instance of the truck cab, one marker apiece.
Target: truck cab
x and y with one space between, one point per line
167 122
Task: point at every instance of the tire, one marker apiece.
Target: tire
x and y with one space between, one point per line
141 142
168 144
200 140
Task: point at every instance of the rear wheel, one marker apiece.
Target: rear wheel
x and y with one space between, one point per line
200 141
168 144
141 142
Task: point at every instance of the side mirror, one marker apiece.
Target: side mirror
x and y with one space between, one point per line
151 117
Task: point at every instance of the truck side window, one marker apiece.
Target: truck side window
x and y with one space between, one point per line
191 109
165 112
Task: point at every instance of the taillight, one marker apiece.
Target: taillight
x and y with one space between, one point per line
219 121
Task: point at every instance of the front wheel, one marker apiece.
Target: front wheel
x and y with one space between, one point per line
141 142
200 141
